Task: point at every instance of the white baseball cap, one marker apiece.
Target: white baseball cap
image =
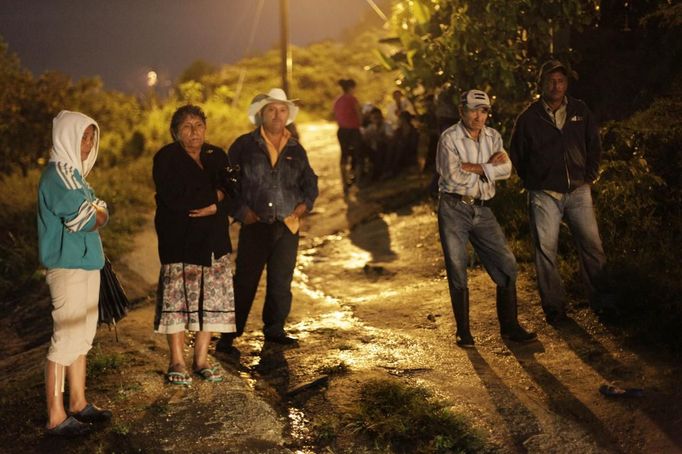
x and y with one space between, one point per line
474 99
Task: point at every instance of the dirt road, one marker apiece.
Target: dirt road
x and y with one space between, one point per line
371 295
370 301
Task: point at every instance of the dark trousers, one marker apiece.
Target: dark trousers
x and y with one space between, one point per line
260 245
350 141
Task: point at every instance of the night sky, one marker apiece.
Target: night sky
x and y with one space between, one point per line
121 40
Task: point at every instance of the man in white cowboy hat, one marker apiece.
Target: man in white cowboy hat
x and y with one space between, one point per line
470 158
276 187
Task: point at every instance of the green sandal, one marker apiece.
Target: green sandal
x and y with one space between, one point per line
178 378
209 374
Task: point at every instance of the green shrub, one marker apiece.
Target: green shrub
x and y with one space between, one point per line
18 253
639 204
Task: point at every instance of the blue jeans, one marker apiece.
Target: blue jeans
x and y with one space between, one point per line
459 223
546 214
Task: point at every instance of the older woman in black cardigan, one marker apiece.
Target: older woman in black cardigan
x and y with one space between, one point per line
195 282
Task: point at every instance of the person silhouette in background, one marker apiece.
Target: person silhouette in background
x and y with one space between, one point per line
348 117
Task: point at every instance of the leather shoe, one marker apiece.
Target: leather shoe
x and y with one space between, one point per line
282 340
520 336
92 414
464 340
70 427
224 345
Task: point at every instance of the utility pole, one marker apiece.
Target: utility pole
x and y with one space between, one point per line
285 63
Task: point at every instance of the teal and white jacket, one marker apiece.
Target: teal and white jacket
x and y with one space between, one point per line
66 202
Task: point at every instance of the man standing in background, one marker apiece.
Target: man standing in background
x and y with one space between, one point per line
556 151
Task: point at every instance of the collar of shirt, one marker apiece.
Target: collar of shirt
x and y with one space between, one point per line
559 117
272 150
457 146
463 133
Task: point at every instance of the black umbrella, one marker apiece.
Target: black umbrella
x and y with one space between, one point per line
113 302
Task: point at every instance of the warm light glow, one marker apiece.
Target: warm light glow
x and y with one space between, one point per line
152 79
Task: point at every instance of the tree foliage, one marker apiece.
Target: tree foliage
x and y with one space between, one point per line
495 45
627 54
28 104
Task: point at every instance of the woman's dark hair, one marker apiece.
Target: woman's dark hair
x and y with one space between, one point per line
346 84
180 115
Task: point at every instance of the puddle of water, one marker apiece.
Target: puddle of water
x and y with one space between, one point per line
297 422
357 259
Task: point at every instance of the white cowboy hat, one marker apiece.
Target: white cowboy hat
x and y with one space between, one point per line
274 95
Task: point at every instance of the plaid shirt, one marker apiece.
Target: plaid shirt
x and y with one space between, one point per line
456 147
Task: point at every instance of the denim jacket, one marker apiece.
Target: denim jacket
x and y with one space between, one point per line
271 192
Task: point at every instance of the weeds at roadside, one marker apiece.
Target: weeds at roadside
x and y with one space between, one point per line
326 430
100 362
159 408
409 419
121 429
333 369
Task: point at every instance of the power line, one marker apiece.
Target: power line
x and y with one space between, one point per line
377 10
252 36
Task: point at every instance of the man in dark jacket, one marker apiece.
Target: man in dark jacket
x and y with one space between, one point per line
277 187
555 149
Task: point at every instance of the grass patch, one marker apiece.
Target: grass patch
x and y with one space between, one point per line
159 408
121 429
325 431
100 362
409 419
333 369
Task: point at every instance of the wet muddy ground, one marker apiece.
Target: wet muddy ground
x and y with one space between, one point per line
370 301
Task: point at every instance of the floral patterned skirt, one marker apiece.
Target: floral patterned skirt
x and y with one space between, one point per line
195 297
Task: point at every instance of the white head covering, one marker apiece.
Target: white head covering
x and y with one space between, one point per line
274 95
67 132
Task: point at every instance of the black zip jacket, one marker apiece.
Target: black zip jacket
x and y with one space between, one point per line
181 186
548 158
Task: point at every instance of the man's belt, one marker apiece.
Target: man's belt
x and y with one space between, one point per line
467 199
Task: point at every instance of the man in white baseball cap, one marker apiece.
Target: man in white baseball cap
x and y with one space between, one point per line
470 158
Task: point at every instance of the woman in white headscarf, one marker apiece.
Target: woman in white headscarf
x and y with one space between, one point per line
69 216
